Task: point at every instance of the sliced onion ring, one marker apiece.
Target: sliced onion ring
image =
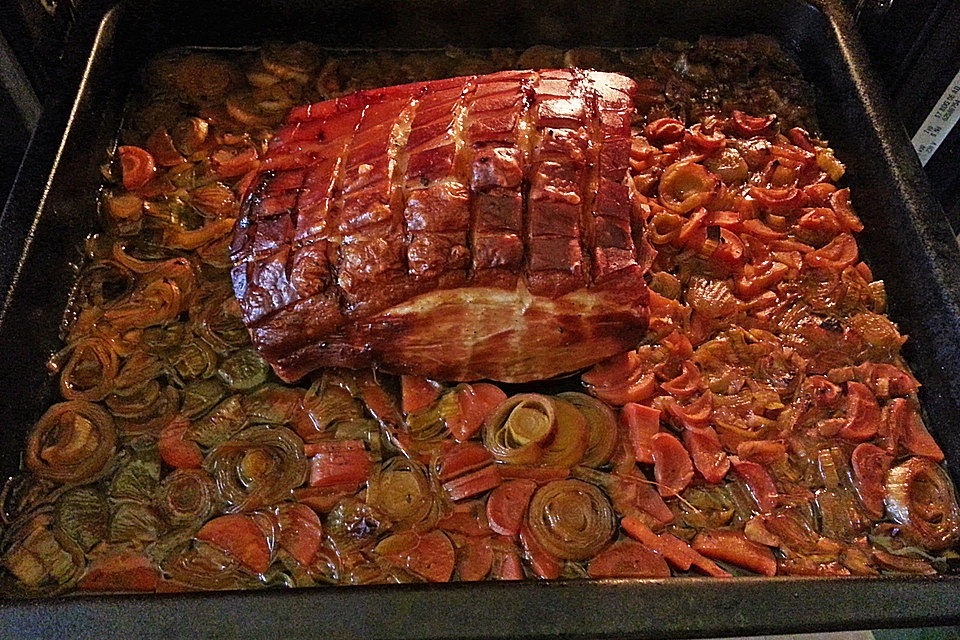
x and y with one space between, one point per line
571 519
187 497
602 422
257 467
920 497
71 442
519 428
401 490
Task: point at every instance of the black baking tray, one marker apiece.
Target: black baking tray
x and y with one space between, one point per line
907 242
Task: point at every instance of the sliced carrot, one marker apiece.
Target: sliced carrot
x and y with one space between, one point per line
695 414
730 253
685 383
631 492
507 505
706 452
759 482
137 166
778 200
840 201
338 462
862 414
671 464
641 424
757 228
664 131
462 458
870 465
621 379
475 558
886 380
240 538
674 550
506 561
838 253
160 145
913 435
762 451
474 403
544 564
465 518
323 499
301 532
756 278
418 393
381 404
230 162
473 483
175 450
732 546
628 559
429 555
126 571
748 126
540 475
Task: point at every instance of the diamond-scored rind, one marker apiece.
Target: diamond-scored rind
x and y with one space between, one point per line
473 227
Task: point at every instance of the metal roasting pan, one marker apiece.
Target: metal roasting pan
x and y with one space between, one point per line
52 207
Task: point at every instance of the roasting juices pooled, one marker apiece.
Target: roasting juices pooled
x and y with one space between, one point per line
289 359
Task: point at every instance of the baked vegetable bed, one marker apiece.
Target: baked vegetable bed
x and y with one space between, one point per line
765 424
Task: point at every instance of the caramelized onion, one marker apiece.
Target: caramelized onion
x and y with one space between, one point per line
570 438
205 567
602 424
187 497
91 370
257 467
82 515
71 442
571 519
401 490
520 428
243 370
920 497
43 560
686 186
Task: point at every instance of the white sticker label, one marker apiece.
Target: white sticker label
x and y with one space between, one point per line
938 124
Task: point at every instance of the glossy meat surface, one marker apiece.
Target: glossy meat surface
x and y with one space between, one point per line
467 228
